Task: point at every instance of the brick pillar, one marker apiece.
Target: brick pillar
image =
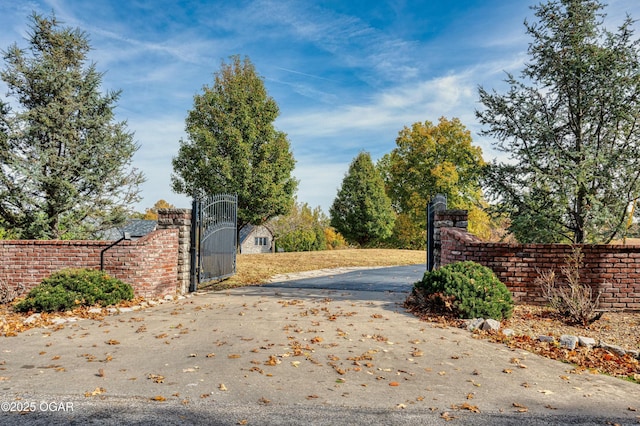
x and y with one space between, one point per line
180 219
447 219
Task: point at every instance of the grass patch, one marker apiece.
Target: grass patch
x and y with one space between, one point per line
254 269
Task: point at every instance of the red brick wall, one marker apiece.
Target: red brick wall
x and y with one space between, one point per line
612 269
149 264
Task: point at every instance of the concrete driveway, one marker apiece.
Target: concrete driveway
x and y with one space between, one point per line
337 349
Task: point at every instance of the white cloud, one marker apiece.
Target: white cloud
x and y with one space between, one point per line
397 106
319 183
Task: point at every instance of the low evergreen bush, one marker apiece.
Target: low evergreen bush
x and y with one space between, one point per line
464 289
66 289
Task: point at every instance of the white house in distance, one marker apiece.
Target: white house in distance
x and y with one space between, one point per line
255 239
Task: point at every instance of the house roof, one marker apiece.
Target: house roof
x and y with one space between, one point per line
136 228
247 230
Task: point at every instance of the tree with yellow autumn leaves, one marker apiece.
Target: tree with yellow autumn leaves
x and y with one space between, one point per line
428 160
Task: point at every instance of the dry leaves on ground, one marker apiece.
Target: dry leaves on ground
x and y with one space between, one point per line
12 323
529 322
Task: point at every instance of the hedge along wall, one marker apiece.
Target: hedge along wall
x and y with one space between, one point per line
149 264
612 269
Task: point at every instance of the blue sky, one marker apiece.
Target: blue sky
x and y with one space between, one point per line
348 75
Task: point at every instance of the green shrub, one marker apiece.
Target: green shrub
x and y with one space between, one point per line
465 289
69 288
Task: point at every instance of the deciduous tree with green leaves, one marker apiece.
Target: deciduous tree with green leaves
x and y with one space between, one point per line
570 128
362 212
65 164
233 147
428 160
303 229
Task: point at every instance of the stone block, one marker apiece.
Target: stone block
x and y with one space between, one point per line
32 318
568 341
475 323
587 342
547 339
613 348
491 325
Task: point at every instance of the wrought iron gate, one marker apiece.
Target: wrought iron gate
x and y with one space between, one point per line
213 238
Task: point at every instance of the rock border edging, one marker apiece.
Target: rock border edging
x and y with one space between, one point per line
567 341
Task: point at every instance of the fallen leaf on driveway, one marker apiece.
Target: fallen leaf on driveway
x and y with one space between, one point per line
520 408
338 369
158 398
394 384
156 378
447 416
466 406
96 391
273 360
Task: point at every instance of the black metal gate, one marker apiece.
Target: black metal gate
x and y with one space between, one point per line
213 238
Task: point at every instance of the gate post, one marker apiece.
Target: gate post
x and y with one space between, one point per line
193 250
437 203
179 219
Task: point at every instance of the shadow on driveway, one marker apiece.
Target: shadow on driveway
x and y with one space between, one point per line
389 285
397 279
